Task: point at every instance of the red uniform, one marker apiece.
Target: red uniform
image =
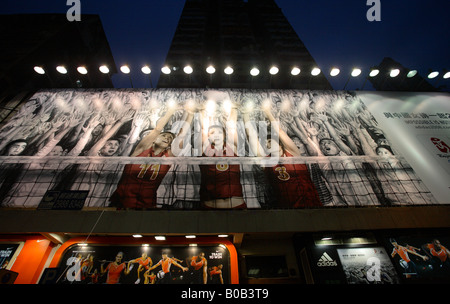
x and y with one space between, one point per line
114 272
441 253
138 185
292 185
220 181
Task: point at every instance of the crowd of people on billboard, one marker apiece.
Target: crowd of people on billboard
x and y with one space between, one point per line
342 157
132 265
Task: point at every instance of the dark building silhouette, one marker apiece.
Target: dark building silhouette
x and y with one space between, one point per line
242 35
49 40
405 81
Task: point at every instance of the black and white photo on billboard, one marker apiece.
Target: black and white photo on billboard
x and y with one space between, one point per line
287 149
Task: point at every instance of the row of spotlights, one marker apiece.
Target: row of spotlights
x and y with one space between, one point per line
254 71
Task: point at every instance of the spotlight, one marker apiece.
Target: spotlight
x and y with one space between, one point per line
433 74
104 69
125 69
39 70
61 69
188 69
394 73
82 70
165 70
374 72
160 238
295 71
334 72
315 71
254 72
447 75
146 69
210 70
411 73
228 70
356 72
273 70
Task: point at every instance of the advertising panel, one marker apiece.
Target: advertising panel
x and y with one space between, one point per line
421 259
127 264
215 149
367 266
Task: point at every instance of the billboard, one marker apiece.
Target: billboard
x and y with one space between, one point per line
222 148
144 265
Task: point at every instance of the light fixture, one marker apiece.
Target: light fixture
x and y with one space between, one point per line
394 73
61 69
188 69
356 72
315 71
334 72
223 235
39 70
137 235
125 69
433 74
104 69
82 244
165 70
274 70
295 71
145 245
210 69
82 70
447 75
146 69
192 245
160 238
411 73
254 72
374 72
228 70
190 236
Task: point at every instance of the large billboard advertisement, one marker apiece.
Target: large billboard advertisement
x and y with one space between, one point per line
148 264
227 148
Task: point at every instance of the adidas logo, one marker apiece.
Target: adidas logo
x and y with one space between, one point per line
325 260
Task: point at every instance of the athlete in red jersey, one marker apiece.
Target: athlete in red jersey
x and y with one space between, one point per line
139 183
436 250
165 264
215 274
403 252
291 183
199 273
145 262
114 269
221 183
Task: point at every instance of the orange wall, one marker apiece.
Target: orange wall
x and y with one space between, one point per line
31 259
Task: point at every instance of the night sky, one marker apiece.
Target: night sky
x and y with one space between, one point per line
414 33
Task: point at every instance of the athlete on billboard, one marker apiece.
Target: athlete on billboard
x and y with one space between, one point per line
221 186
144 261
405 261
199 266
291 182
215 274
165 275
114 269
139 183
438 254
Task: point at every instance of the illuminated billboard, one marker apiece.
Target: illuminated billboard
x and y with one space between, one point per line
224 149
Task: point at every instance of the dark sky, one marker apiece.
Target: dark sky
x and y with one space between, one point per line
337 33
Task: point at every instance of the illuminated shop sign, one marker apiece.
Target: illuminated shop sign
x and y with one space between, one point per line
210 149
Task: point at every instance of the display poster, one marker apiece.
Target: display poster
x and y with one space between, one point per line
7 252
421 259
367 266
174 264
224 149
